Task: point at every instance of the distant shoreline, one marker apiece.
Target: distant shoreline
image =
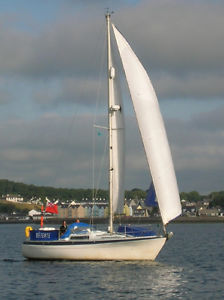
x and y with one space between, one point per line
123 220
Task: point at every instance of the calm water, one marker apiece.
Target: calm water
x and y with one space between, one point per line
190 266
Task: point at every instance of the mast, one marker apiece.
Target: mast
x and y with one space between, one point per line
110 77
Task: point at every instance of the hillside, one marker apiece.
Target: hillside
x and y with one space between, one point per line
27 191
21 208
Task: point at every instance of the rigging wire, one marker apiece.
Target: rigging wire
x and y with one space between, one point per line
95 183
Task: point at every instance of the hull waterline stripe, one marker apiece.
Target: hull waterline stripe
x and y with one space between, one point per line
64 243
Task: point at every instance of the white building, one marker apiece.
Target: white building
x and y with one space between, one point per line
13 198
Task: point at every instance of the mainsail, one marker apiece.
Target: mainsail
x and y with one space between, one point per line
152 131
117 124
116 138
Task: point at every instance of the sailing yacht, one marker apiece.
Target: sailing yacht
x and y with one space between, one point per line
83 242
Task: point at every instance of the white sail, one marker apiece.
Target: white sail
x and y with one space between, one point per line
152 130
117 124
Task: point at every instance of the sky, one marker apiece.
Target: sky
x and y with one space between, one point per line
53 89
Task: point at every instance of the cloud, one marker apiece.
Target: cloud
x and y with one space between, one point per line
5 96
51 150
204 86
179 36
59 151
51 71
60 49
180 43
197 150
182 48
70 90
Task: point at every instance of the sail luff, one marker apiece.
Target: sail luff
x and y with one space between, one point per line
152 131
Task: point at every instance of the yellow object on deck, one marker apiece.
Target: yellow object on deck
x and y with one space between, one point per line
27 231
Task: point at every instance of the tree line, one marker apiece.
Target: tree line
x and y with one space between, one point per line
28 191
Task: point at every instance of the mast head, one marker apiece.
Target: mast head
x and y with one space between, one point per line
108 13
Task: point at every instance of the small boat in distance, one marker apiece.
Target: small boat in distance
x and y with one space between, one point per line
83 242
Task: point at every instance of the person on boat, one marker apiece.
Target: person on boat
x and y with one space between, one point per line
63 227
77 221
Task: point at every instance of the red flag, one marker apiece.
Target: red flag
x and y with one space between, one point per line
51 208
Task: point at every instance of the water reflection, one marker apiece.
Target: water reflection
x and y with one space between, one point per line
100 280
142 280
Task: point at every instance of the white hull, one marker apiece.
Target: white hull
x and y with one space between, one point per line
120 249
